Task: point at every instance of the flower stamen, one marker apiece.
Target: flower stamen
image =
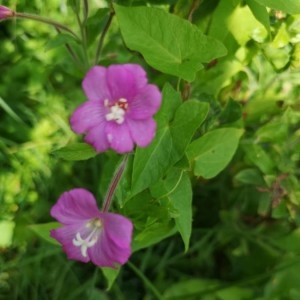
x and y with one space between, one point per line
116 111
92 238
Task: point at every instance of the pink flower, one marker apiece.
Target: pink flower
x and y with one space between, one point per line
88 234
6 12
120 108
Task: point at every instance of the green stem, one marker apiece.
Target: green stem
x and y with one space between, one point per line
84 39
101 40
73 54
47 21
85 10
193 8
113 184
146 281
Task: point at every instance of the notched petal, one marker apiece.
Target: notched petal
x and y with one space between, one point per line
75 206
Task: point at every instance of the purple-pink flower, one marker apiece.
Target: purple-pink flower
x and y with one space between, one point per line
120 108
6 12
88 234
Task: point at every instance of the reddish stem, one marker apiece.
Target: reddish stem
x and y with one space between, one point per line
113 184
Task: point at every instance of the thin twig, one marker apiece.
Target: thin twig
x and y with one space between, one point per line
46 21
193 8
72 53
113 184
101 40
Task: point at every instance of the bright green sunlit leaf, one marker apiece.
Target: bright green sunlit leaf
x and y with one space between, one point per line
213 151
167 42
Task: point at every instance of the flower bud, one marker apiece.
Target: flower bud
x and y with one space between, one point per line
6 12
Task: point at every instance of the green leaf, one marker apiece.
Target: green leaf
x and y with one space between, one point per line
280 211
279 57
282 37
259 157
167 42
170 142
110 275
235 293
170 102
175 189
290 242
260 13
188 288
231 113
285 279
151 220
79 151
274 131
152 235
181 199
43 231
150 163
218 27
94 23
188 118
213 151
60 40
250 176
10 112
288 6
244 26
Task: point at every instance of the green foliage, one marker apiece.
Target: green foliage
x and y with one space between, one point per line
150 163
288 6
168 43
79 151
43 231
260 12
212 152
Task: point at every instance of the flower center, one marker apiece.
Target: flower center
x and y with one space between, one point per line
95 225
117 111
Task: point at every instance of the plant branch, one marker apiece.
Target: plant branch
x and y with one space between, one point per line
47 21
113 184
102 36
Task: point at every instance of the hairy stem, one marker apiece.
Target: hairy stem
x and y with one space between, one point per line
113 184
47 21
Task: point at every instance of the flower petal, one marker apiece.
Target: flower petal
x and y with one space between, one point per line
87 115
146 103
142 131
99 254
95 85
75 206
65 235
119 137
115 241
98 138
118 229
124 81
